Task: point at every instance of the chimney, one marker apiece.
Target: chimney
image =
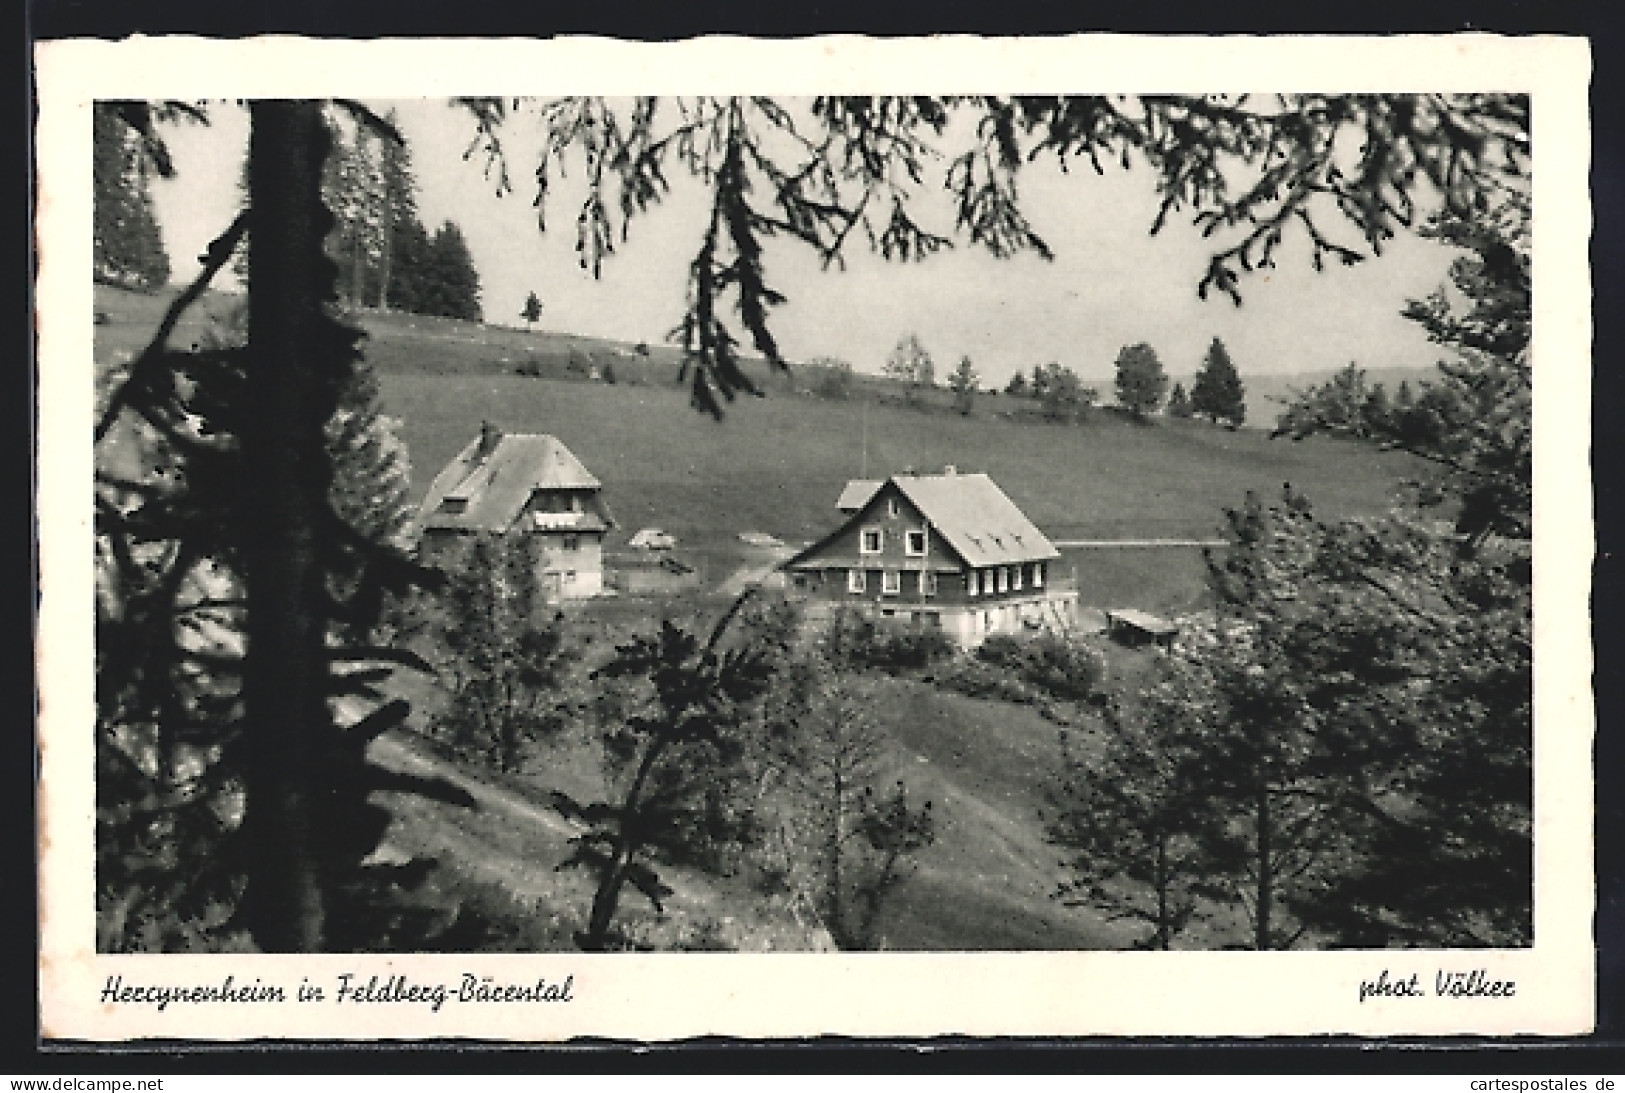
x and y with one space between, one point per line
950 470
490 436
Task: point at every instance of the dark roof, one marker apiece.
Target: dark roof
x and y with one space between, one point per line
495 487
969 512
1143 621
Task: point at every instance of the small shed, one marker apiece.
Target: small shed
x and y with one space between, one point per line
1133 627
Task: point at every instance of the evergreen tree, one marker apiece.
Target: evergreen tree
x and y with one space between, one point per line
1179 405
506 665
676 744
1140 379
963 384
448 284
1218 393
399 206
1137 831
1017 385
848 841
1059 391
410 275
129 248
532 311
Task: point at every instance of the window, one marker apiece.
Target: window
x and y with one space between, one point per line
454 506
1015 578
987 582
572 542
928 584
998 579
914 544
970 583
854 580
891 582
891 508
873 541
1038 575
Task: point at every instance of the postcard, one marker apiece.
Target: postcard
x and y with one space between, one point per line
1058 537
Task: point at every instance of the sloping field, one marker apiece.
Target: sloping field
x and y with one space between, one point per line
776 464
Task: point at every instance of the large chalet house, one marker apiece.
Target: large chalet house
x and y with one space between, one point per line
948 550
522 485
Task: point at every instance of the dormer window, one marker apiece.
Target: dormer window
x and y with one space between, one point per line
454 506
871 541
914 544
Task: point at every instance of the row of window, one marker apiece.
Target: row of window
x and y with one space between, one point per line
873 541
891 582
1004 578
983 582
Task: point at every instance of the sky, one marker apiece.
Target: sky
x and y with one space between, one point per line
1111 283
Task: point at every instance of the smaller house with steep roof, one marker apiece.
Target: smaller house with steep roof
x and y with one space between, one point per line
948 550
523 485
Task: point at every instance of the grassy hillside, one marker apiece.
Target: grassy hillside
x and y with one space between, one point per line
776 464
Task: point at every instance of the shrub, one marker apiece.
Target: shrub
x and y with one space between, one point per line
859 642
1055 664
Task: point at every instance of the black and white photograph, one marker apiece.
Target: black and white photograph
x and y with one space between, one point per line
1024 539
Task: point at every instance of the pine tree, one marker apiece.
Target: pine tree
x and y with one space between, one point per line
532 310
963 384
129 248
506 664
447 283
848 840
1140 379
1218 393
1179 404
1060 392
399 206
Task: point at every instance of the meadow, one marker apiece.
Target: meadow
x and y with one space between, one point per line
776 464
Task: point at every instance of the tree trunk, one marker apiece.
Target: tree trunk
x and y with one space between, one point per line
1163 934
604 903
285 481
386 248
1266 877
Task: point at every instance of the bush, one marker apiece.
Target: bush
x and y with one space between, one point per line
1053 664
859 642
976 678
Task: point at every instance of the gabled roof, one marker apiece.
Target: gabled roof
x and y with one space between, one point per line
494 487
977 520
857 494
967 512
